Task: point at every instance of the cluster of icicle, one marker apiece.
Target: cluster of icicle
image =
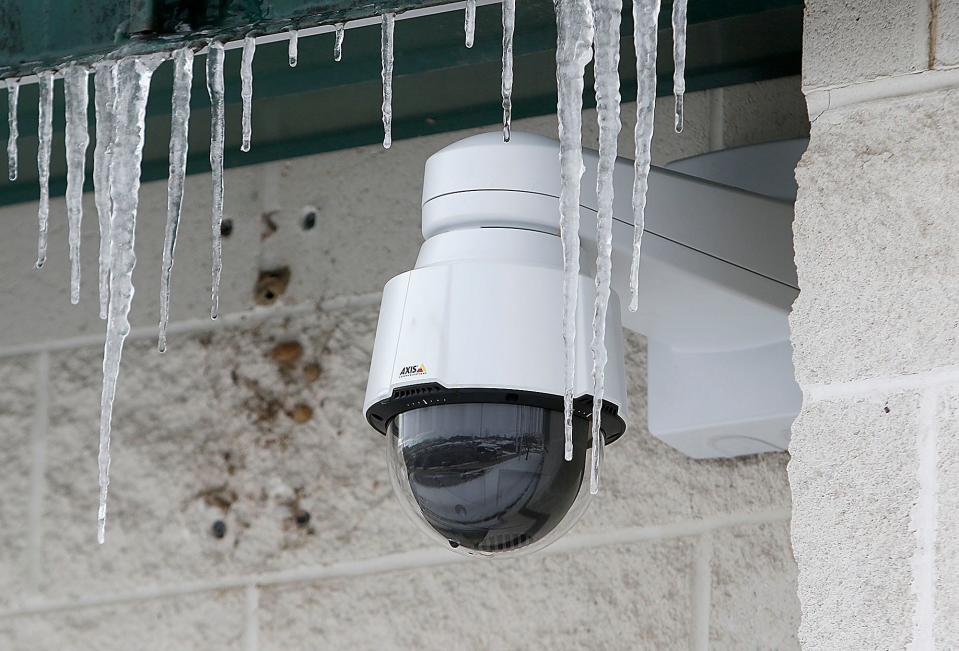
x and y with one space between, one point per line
589 29
121 91
121 88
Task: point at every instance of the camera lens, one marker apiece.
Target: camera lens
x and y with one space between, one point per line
489 478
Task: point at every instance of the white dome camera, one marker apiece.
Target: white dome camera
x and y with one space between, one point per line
466 379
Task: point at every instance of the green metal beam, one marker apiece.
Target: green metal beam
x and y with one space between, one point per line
45 34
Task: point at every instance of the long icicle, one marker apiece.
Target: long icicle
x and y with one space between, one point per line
607 15
214 86
293 49
646 26
509 24
45 134
133 87
77 137
338 41
574 26
179 144
246 90
105 99
679 59
469 22
13 98
386 55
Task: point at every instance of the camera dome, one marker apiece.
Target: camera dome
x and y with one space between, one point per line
489 478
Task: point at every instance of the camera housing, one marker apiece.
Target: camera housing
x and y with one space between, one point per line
467 385
466 378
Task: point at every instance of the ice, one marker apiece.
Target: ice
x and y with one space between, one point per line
509 22
469 22
646 21
77 137
338 41
607 15
13 97
214 86
679 59
45 136
292 52
246 90
133 87
386 54
179 131
574 41
105 87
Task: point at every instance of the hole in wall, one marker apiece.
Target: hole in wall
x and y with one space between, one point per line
270 285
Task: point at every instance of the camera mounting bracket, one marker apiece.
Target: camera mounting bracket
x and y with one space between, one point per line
717 280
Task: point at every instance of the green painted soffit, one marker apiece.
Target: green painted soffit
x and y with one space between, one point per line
46 33
321 106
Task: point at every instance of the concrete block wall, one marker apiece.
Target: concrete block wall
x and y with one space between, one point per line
250 506
875 331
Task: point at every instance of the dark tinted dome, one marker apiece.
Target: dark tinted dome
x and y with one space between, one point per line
490 477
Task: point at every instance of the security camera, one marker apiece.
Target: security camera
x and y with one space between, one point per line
467 374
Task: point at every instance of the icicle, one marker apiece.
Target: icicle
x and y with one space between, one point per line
105 85
574 41
679 59
607 15
246 90
76 94
338 41
509 22
292 51
469 22
386 54
214 86
646 22
45 134
133 87
13 97
179 130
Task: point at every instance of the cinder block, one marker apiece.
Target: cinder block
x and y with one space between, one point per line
947 523
367 204
43 297
753 598
848 41
367 229
197 622
17 399
877 261
763 112
667 144
947 34
854 481
604 598
208 433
